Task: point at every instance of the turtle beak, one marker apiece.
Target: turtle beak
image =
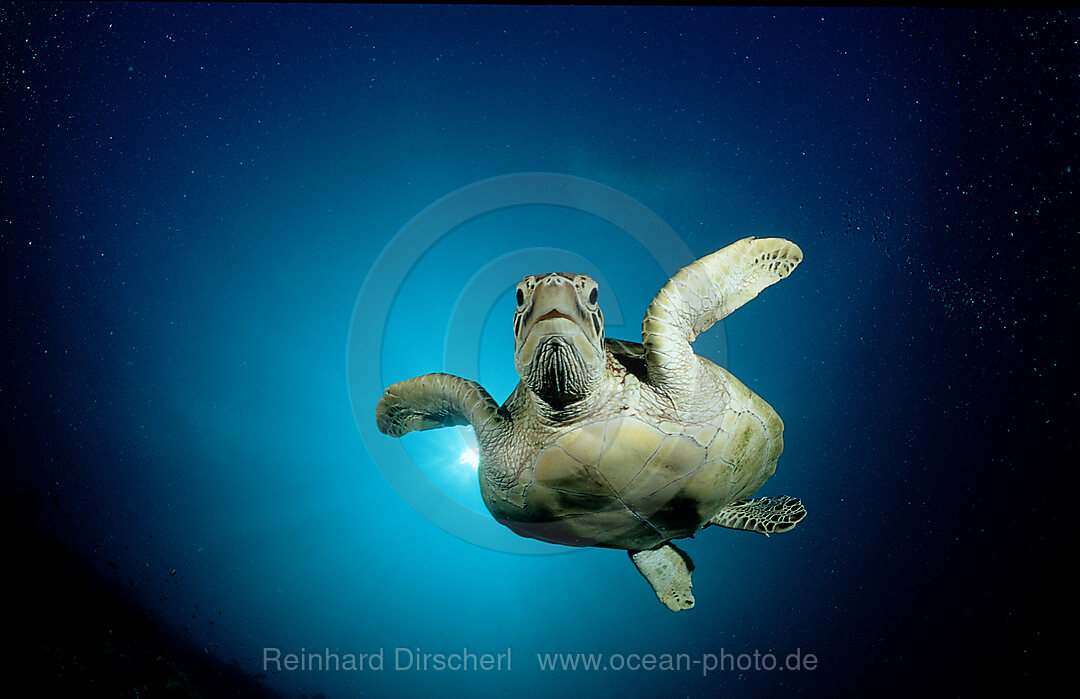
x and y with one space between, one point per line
555 304
559 351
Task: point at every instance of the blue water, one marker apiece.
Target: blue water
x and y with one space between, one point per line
206 243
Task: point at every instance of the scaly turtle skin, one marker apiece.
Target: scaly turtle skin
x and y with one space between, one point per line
618 444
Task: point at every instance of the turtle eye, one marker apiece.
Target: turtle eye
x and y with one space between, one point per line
520 298
592 297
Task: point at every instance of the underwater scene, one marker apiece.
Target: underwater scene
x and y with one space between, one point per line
828 458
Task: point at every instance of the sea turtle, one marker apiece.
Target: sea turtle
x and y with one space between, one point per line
618 444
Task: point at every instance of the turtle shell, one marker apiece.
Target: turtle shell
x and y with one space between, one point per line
625 483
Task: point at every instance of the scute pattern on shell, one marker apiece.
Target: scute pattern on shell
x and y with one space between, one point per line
624 483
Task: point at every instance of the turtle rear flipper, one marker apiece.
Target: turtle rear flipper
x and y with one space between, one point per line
763 515
435 400
667 569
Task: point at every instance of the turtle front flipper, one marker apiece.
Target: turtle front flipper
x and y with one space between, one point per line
704 292
763 515
667 569
436 400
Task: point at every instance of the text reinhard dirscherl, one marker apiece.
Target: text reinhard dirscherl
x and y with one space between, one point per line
401 659
404 659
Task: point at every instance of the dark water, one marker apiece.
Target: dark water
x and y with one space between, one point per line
208 267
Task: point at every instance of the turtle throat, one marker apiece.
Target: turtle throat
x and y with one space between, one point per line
558 374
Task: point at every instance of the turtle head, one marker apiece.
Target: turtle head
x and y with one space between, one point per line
559 337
